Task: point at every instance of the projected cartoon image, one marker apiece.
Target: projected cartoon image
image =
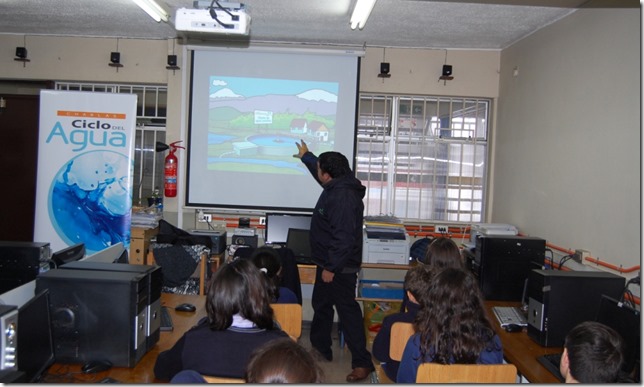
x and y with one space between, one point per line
254 123
86 201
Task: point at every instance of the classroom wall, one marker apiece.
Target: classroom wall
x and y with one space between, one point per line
567 145
413 71
85 59
416 71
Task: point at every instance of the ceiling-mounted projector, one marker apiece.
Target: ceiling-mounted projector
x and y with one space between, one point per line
215 20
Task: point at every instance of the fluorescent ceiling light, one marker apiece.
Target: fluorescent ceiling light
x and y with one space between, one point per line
153 9
361 13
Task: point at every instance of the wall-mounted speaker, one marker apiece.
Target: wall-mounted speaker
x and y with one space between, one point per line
447 70
172 60
384 70
115 57
21 52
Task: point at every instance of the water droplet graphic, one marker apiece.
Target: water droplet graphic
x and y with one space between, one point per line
91 200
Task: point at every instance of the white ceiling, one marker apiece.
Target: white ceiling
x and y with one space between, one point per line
461 24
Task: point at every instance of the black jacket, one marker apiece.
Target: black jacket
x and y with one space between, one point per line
336 225
217 353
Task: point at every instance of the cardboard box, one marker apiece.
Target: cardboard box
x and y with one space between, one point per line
374 313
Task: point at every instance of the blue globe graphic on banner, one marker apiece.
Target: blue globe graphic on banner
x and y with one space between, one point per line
90 200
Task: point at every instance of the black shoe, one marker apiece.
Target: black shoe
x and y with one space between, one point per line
359 374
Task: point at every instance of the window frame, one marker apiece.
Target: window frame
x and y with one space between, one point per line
396 137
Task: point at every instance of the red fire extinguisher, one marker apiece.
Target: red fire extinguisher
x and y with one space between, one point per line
171 171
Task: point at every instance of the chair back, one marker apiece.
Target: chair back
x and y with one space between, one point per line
289 316
400 334
466 373
219 379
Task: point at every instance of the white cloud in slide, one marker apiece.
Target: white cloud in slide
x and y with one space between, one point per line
319 95
225 93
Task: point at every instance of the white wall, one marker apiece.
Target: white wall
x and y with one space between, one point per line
416 71
85 59
568 135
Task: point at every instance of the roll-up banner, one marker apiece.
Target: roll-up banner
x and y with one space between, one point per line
85 167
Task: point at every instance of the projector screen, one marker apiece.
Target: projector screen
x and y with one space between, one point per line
248 108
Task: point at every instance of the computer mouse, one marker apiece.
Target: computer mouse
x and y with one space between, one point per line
94 366
512 328
185 307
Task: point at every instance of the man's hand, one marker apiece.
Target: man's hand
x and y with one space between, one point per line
301 149
327 276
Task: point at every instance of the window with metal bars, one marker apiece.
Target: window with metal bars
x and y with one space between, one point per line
423 157
150 129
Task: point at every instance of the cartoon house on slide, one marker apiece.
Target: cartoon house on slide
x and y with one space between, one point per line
315 128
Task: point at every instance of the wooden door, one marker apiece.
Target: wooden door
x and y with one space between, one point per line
18 167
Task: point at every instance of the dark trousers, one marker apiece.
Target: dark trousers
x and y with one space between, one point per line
341 294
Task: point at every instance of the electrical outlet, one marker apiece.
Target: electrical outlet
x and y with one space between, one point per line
262 220
441 229
205 217
580 255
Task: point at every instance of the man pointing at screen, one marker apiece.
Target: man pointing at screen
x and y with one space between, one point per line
336 249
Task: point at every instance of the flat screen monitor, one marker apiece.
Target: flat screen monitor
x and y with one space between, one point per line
107 255
35 340
625 321
277 225
300 244
69 254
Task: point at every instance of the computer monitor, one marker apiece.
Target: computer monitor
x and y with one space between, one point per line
21 262
278 224
107 255
625 321
68 254
299 242
35 340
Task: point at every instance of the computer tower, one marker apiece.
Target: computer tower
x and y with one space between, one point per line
20 262
502 263
154 282
218 239
97 315
9 337
559 300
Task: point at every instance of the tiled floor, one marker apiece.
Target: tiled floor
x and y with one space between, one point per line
337 370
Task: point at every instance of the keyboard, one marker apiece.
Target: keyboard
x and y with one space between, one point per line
509 315
166 319
551 362
304 260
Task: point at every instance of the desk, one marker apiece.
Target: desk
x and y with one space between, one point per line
143 372
521 350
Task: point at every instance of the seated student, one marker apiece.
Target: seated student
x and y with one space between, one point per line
442 252
416 281
239 320
452 326
283 361
593 353
277 361
268 262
